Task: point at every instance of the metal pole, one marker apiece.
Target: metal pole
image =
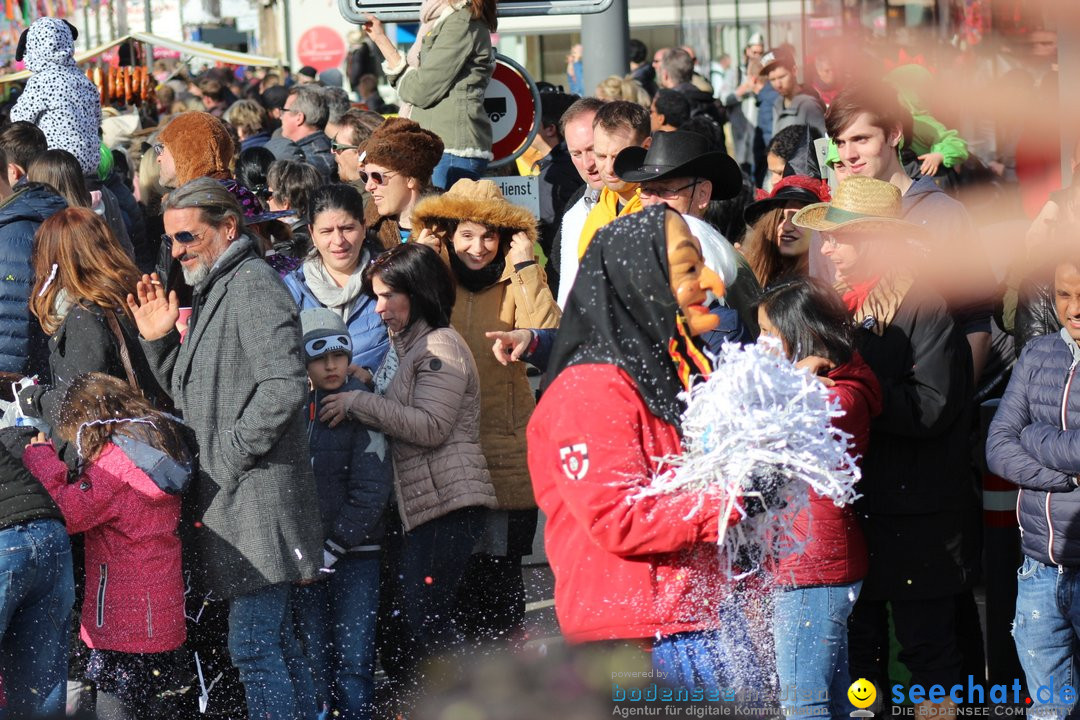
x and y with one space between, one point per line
768 22
288 33
86 26
121 17
606 36
802 28
1068 27
738 32
149 18
180 7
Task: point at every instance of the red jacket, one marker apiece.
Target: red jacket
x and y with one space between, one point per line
134 589
624 568
835 551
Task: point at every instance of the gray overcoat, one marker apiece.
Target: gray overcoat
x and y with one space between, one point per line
239 381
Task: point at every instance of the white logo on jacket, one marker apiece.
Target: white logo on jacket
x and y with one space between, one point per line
575 461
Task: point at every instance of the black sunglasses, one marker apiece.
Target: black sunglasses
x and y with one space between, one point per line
337 147
183 237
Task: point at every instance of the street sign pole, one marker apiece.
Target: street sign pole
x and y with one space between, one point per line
606 37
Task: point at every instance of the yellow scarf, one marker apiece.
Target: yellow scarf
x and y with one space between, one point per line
605 210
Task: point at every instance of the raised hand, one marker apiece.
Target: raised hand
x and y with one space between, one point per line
521 249
155 314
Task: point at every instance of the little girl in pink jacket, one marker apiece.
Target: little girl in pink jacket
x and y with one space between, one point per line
134 463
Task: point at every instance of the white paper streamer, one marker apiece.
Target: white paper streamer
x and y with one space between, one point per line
758 412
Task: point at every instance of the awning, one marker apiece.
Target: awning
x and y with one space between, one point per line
192 49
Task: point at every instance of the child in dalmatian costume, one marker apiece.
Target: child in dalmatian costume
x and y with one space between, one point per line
58 97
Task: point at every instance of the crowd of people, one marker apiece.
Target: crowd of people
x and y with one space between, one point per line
281 401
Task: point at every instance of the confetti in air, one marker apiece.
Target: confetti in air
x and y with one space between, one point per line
758 415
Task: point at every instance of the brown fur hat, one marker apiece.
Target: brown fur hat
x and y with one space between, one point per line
200 146
403 146
477 201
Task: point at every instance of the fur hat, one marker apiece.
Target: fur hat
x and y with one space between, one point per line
403 146
200 146
477 201
324 332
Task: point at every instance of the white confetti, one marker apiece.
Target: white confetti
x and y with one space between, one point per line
757 413
299 556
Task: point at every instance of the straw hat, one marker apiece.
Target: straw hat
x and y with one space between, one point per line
859 202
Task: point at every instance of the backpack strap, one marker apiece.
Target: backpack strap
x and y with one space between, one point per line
125 356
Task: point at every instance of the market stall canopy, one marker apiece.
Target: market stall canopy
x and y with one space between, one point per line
192 49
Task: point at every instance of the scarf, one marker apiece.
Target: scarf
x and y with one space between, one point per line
431 11
623 314
604 211
856 296
327 292
875 303
477 280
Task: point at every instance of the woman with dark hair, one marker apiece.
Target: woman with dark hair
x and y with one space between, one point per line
83 279
60 170
332 275
291 186
774 246
253 170
500 286
819 585
443 78
427 400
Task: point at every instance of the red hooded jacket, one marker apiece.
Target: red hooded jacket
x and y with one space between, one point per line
624 567
835 550
134 588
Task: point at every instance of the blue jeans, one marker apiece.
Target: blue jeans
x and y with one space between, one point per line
263 647
811 641
1046 629
452 168
37 590
336 623
713 660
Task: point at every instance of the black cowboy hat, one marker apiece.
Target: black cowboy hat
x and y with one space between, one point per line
680 154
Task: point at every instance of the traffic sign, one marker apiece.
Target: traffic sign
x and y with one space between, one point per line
512 103
355 11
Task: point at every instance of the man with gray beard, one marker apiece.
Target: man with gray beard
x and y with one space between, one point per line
239 381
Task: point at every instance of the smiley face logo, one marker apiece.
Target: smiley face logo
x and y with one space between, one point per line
862 693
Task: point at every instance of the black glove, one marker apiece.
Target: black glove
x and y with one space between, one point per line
15 439
767 483
30 400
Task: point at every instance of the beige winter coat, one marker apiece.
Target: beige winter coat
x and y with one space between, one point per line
517 300
431 412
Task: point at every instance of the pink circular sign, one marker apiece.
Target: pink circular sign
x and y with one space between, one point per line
321 47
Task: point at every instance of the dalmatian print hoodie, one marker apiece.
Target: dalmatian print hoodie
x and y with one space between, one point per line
58 97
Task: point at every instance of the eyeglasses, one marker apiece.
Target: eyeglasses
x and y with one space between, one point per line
829 240
289 110
183 237
668 194
158 148
380 178
336 147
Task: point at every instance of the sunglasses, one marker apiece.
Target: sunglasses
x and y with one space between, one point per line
380 178
336 147
159 148
183 237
